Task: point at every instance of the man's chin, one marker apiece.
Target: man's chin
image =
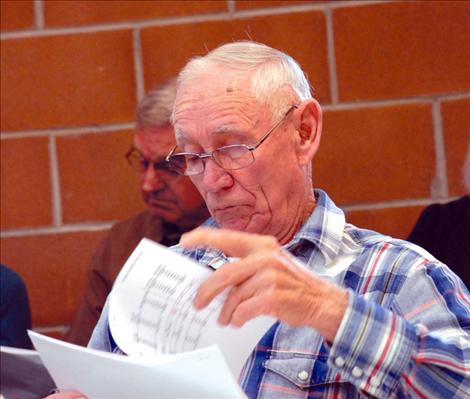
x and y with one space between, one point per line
164 214
247 223
233 224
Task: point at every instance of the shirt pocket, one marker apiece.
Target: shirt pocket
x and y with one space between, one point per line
302 370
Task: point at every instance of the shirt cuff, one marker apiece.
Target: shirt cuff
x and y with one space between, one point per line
373 347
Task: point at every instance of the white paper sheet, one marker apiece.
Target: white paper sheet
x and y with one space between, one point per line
151 309
199 374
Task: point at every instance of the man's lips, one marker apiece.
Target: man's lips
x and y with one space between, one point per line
159 202
228 208
225 208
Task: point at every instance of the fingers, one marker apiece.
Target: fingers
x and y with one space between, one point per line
249 309
232 243
230 274
237 273
267 280
276 303
263 271
235 297
281 288
67 395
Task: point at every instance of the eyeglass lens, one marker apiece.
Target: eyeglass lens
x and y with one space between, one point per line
141 164
230 158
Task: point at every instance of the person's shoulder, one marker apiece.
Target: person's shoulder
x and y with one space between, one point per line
123 236
405 258
11 282
456 209
459 207
459 203
139 224
370 241
10 277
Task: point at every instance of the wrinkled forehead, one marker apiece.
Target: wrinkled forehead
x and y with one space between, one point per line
208 90
216 106
156 142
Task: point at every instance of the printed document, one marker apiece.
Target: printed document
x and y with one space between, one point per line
151 310
173 349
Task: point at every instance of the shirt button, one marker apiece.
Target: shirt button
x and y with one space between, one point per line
303 375
375 382
422 330
339 361
356 372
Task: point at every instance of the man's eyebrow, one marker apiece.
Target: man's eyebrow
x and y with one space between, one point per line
223 129
228 128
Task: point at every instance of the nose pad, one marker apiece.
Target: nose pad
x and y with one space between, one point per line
151 180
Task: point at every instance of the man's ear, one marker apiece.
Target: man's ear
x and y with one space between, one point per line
308 119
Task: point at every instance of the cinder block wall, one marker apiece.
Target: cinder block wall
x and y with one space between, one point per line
393 77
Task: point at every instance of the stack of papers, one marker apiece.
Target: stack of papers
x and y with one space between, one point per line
174 351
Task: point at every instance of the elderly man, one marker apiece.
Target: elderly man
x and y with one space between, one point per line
173 207
359 314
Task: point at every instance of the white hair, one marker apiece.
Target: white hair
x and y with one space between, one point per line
268 70
156 107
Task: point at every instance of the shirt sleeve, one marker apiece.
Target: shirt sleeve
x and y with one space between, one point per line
101 336
419 348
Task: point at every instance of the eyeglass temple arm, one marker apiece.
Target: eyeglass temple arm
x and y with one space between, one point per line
263 139
167 158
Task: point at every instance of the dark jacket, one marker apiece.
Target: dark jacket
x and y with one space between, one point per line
15 314
444 231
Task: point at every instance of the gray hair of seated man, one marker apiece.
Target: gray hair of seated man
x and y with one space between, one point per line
268 69
156 106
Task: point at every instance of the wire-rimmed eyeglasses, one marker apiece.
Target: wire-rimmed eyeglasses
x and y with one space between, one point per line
138 162
229 157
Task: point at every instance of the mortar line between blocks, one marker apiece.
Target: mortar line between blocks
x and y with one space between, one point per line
440 187
39 14
138 67
55 183
179 20
64 229
330 42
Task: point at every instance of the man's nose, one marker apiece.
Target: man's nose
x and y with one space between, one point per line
151 179
215 178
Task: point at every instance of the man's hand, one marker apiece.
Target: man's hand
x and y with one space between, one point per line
267 280
67 395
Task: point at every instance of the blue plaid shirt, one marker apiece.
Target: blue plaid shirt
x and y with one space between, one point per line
405 333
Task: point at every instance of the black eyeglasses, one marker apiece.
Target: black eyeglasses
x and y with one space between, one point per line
230 157
138 162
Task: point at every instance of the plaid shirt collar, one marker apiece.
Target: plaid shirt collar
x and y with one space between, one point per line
324 228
